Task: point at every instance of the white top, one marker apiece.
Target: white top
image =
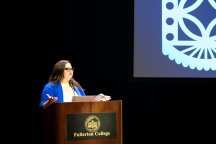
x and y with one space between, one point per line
68 93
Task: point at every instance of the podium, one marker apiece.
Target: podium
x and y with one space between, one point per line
83 123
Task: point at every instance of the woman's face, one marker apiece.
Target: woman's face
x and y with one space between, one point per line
68 72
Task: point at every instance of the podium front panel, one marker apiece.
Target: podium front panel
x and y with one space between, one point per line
85 122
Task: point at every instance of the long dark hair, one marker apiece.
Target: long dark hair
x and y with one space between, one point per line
58 72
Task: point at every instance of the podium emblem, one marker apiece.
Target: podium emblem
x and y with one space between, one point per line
189 33
92 123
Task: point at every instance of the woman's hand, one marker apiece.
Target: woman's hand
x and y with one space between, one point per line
104 97
49 101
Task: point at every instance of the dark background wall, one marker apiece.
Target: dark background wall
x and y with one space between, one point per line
97 37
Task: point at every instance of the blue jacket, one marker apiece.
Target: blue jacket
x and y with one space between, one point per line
55 90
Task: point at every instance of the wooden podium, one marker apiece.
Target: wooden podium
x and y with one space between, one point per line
83 123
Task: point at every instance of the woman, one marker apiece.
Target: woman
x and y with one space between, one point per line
61 86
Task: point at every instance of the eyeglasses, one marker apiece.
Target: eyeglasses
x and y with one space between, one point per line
68 69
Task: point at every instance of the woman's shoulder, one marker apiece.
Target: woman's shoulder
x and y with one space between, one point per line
51 85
